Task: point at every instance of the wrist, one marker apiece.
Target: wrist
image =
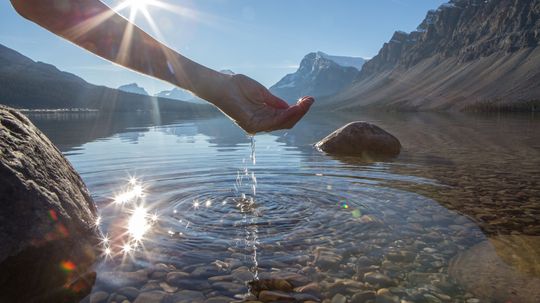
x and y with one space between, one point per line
204 82
215 87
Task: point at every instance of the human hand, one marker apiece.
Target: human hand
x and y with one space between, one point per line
255 109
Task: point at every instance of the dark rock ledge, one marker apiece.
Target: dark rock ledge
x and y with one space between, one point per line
48 238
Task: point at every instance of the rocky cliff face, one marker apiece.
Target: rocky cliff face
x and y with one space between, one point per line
466 29
486 43
318 75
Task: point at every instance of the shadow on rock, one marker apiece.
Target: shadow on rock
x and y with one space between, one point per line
48 234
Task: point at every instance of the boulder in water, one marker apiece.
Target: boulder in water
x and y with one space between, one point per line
360 139
47 219
501 269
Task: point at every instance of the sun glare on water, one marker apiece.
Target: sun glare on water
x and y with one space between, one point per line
138 223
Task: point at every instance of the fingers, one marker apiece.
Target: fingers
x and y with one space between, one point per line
294 113
306 102
275 102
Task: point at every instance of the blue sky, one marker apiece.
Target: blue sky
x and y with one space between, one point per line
262 39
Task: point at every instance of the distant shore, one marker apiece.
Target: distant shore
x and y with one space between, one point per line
58 110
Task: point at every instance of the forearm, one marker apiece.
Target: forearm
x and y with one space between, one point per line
97 28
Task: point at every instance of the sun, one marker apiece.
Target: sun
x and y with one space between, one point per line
138 5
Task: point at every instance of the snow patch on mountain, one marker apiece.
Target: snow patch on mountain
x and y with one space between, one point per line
356 62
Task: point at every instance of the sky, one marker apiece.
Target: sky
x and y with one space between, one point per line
264 39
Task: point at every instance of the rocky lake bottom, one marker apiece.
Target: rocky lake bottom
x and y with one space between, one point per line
190 215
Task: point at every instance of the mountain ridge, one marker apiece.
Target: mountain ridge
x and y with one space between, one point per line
133 88
178 93
465 55
25 83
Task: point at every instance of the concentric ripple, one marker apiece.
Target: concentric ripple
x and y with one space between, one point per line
200 207
210 219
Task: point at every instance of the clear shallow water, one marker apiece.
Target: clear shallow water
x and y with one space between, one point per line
349 226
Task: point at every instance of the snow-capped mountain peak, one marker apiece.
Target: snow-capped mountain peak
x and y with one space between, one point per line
227 72
133 88
319 75
356 62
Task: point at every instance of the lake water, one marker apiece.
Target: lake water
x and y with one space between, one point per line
189 217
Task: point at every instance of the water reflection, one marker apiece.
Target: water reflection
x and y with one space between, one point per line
79 128
350 227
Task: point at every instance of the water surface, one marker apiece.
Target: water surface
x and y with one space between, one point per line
189 215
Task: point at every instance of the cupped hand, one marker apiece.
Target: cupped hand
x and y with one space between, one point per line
255 109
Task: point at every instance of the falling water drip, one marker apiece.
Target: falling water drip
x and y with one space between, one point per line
247 205
254 184
253 160
255 241
253 233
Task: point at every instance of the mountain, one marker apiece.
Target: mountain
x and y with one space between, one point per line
133 88
185 95
27 84
356 62
465 55
180 94
319 75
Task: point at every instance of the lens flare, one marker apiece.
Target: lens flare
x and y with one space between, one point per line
67 266
53 215
343 205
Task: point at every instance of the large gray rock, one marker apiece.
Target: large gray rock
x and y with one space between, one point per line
501 269
360 139
47 233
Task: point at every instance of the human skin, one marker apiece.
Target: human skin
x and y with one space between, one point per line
95 27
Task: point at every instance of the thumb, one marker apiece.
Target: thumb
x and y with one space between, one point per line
294 113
